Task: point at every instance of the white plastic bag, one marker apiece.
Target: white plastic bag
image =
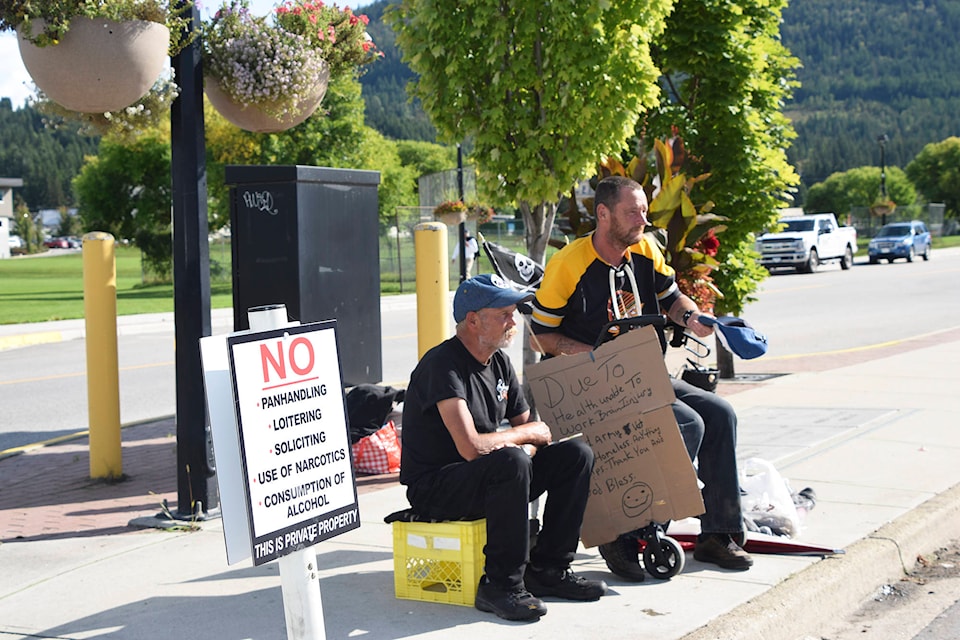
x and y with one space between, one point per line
767 500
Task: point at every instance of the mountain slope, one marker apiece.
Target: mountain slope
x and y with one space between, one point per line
870 67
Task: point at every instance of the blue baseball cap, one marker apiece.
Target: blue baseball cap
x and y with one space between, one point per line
737 336
486 291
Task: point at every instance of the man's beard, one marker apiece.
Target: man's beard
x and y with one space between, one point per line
623 235
505 340
508 337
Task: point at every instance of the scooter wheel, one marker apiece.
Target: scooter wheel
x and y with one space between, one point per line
663 558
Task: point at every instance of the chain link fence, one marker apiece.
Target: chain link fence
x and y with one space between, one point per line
397 259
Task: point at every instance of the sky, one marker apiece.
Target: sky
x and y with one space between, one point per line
15 82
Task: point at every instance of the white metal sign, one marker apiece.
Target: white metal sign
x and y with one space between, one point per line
294 438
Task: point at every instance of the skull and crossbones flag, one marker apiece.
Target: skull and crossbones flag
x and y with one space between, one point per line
524 273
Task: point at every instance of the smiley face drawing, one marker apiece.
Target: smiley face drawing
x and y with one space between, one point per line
637 499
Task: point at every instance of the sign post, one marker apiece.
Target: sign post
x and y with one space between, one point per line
284 420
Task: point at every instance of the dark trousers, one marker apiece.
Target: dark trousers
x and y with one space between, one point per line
708 425
499 487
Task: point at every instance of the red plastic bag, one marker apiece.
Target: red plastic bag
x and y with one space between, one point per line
379 452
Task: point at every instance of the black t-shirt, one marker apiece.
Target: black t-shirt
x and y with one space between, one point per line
492 393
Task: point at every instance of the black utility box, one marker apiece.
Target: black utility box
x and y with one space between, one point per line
307 237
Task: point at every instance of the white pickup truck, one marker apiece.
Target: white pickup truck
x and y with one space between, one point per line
808 241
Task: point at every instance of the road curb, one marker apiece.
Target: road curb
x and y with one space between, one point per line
29 339
812 600
15 451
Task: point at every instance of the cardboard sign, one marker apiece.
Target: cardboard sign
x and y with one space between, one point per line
618 398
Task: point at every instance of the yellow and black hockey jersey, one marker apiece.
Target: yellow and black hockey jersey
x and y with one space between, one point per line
580 293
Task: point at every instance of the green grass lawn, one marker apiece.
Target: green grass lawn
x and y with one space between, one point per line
39 289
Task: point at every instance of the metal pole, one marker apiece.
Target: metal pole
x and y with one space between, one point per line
396 221
299 578
103 369
462 230
883 178
433 285
191 279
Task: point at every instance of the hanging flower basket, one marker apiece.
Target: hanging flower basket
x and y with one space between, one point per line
268 74
480 213
257 119
99 65
451 212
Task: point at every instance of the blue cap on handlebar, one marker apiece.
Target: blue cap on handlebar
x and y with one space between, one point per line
737 336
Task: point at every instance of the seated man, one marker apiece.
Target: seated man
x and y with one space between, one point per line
457 465
614 273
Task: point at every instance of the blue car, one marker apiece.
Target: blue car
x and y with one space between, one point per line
900 240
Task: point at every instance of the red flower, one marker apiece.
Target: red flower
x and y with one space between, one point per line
709 243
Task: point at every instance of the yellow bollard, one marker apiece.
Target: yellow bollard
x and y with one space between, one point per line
433 285
103 369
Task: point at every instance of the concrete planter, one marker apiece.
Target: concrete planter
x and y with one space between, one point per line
99 65
253 118
451 218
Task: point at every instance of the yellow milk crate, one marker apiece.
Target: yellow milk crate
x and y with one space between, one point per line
438 561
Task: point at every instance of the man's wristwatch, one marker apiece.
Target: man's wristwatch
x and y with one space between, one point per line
686 317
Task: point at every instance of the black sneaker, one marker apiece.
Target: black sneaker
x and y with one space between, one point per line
563 583
721 549
517 604
623 559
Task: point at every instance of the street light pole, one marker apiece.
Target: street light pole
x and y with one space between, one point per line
196 491
882 140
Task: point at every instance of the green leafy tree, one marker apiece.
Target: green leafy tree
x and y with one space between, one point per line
397 181
25 226
69 224
859 187
426 157
936 173
726 76
125 190
542 91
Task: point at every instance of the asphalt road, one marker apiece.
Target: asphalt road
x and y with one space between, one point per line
43 388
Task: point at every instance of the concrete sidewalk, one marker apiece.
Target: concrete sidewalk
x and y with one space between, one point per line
873 432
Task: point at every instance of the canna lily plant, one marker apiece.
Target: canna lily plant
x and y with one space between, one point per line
685 232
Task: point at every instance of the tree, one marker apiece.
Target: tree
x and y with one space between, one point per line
426 157
397 181
27 228
542 91
859 187
725 78
69 224
936 173
126 191
47 158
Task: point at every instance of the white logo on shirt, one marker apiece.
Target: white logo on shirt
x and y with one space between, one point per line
501 390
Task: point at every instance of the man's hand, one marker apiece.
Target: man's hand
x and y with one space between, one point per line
557 344
686 314
538 433
471 444
698 328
